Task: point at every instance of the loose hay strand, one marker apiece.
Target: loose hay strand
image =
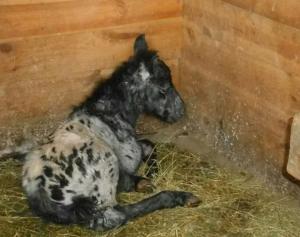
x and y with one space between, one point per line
233 204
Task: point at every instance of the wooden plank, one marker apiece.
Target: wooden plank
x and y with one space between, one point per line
246 4
70 16
23 2
285 12
56 56
293 164
259 37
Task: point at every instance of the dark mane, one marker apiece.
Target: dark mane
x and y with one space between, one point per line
112 86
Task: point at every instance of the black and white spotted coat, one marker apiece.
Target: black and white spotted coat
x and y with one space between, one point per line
76 175
81 159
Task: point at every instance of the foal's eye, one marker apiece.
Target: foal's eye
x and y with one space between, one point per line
163 91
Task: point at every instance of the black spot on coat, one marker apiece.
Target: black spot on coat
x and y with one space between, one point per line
62 157
56 193
90 155
62 180
81 166
89 123
97 174
42 180
48 171
69 170
83 147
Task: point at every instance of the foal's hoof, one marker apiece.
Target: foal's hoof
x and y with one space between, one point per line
192 201
145 186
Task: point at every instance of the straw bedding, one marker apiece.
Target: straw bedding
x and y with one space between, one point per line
232 204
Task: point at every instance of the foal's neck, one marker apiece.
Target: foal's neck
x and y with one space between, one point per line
114 100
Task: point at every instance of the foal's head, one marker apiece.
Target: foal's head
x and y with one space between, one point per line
153 83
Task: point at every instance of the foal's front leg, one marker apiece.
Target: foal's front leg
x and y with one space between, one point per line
129 183
149 156
130 155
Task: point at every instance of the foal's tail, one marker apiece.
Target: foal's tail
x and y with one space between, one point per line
19 151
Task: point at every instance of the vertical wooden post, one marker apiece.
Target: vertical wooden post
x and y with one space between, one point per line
293 165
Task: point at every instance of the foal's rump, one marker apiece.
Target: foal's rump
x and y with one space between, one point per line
67 177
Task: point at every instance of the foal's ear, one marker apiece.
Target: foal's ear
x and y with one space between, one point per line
140 44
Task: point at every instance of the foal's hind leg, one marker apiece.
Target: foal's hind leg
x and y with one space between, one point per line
149 157
119 215
130 183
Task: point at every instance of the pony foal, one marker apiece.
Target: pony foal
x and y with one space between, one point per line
94 154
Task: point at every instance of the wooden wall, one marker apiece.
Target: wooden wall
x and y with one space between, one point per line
52 51
241 69
238 64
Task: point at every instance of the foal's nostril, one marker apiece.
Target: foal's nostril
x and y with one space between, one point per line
182 111
180 107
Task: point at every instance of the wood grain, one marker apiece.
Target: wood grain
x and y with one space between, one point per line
69 16
293 163
246 73
284 12
260 38
234 121
57 55
23 2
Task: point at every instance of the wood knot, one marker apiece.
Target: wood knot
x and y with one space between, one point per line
5 48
